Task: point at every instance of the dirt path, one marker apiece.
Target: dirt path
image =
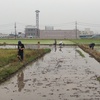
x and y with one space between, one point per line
60 75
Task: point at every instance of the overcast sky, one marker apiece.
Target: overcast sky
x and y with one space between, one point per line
61 14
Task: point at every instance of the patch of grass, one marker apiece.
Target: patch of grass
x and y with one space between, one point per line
7 56
93 53
10 64
98 79
81 54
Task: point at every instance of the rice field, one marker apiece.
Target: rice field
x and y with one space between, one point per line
34 41
50 41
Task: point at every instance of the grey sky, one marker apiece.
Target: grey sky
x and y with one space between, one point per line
61 14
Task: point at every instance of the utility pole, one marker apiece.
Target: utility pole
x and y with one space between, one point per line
15 30
76 28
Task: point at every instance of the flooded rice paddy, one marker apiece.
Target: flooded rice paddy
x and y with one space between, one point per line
61 74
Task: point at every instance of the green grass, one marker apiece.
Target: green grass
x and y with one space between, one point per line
34 41
98 78
9 63
81 54
6 56
50 41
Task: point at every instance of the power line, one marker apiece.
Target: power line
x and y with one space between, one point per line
60 24
88 24
21 26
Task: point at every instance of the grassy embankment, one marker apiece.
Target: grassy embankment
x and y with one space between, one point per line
84 44
50 41
9 63
94 53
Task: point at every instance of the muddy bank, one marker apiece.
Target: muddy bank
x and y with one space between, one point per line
93 53
60 75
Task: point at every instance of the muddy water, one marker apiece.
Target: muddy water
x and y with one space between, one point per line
27 46
60 75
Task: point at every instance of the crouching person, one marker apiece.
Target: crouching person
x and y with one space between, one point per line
92 45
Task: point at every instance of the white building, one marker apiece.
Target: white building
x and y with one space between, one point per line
49 28
31 32
87 31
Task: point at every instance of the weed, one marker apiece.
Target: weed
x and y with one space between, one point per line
81 54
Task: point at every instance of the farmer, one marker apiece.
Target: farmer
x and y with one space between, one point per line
55 43
20 51
92 45
38 44
60 43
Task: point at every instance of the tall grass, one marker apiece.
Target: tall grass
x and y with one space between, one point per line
9 63
7 56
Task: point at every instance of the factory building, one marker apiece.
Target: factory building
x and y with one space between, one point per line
59 34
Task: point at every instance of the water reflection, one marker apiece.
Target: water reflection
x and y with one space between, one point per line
27 46
75 48
42 58
20 80
60 48
8 46
55 47
38 61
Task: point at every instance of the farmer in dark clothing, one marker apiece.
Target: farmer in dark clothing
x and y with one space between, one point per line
55 43
92 45
20 51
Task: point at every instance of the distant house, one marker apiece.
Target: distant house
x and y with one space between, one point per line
49 28
3 35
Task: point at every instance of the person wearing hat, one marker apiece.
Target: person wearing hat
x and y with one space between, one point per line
20 51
